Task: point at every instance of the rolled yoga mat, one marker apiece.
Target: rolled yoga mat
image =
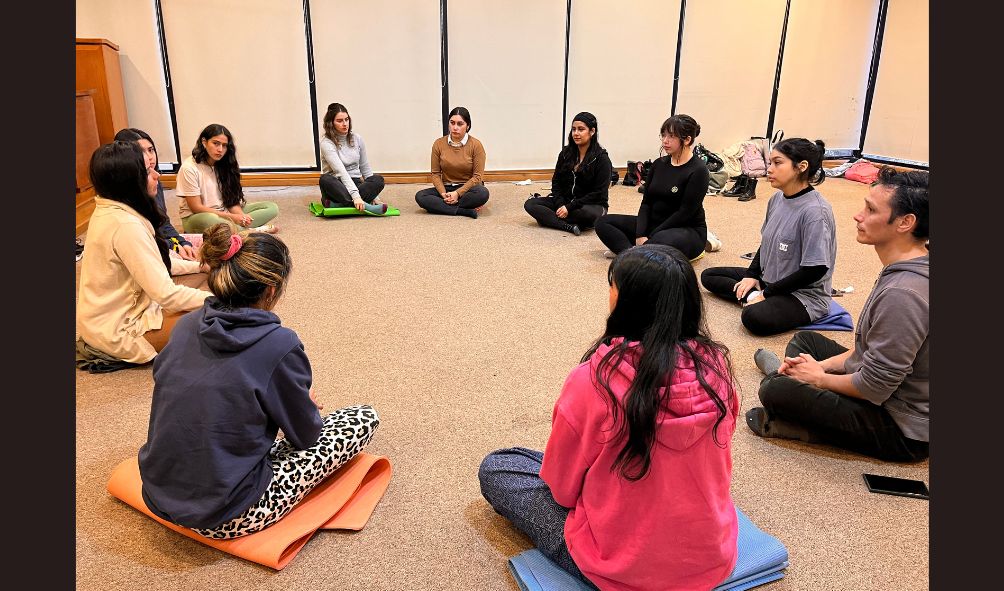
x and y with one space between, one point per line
761 558
345 500
320 211
837 319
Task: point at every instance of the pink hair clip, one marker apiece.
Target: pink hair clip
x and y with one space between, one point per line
235 245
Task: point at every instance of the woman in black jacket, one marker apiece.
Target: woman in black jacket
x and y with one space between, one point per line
580 183
672 210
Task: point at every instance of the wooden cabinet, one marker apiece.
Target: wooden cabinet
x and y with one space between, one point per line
87 142
98 70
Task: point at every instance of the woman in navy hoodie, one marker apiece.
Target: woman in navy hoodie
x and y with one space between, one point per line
229 379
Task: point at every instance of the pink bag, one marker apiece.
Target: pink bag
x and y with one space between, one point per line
752 160
862 171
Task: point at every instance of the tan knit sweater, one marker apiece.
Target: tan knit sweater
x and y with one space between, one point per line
451 165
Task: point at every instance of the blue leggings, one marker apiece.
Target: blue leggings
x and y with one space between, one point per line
511 483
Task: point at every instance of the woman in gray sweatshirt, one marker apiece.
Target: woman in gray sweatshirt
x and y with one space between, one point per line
347 180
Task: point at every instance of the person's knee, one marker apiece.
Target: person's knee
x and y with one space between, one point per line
490 471
708 278
756 323
774 388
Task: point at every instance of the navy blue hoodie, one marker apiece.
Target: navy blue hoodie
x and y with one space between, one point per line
224 385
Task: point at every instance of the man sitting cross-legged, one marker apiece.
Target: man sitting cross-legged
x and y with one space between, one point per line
872 399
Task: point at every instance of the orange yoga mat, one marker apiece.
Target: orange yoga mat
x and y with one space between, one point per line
345 500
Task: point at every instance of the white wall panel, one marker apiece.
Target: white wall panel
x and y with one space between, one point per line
132 25
727 67
507 62
899 123
824 76
386 71
629 108
243 64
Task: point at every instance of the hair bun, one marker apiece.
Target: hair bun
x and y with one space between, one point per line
216 242
822 146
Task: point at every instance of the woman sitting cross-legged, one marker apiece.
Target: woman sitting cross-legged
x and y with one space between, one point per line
580 183
347 180
230 378
127 303
458 168
209 184
789 281
632 490
672 209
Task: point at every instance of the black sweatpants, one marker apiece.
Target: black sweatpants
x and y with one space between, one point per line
334 193
617 232
774 315
849 423
543 209
431 201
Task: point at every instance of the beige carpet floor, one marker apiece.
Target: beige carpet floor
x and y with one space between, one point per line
460 333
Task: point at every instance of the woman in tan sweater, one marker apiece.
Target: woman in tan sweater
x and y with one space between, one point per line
458 165
127 303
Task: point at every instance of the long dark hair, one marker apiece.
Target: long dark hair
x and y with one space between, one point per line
660 306
329 124
228 171
118 172
569 154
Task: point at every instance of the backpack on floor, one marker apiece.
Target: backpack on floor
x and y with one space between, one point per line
714 162
636 172
752 160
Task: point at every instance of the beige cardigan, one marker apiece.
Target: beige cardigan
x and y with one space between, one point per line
124 284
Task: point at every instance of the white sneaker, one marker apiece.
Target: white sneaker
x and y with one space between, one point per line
713 244
609 254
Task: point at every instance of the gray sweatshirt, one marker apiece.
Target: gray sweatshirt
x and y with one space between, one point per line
890 362
345 161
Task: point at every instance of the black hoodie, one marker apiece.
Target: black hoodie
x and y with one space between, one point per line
587 186
224 385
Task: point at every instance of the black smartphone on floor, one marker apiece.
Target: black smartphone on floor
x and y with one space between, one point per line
890 485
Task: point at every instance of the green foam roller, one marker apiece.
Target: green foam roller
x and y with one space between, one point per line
328 212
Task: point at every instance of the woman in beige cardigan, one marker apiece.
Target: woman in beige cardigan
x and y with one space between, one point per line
127 303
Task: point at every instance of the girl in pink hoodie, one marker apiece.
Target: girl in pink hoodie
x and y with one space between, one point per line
632 490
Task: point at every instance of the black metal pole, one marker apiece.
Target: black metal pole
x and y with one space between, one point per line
167 80
679 52
883 11
564 98
308 31
777 72
444 66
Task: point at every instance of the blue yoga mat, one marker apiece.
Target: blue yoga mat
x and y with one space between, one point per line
761 560
837 319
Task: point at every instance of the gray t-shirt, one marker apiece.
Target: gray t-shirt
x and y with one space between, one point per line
800 232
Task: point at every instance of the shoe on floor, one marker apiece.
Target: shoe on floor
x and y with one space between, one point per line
756 420
712 244
609 254
766 361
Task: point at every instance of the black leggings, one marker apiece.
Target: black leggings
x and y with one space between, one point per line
431 201
617 232
829 417
334 193
543 210
773 315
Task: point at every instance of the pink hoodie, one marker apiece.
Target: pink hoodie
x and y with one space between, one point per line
673 529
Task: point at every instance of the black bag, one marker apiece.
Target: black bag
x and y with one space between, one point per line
614 177
636 172
714 162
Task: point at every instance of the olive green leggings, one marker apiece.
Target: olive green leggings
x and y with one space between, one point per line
261 212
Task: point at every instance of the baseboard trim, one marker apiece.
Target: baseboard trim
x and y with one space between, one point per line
298 179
